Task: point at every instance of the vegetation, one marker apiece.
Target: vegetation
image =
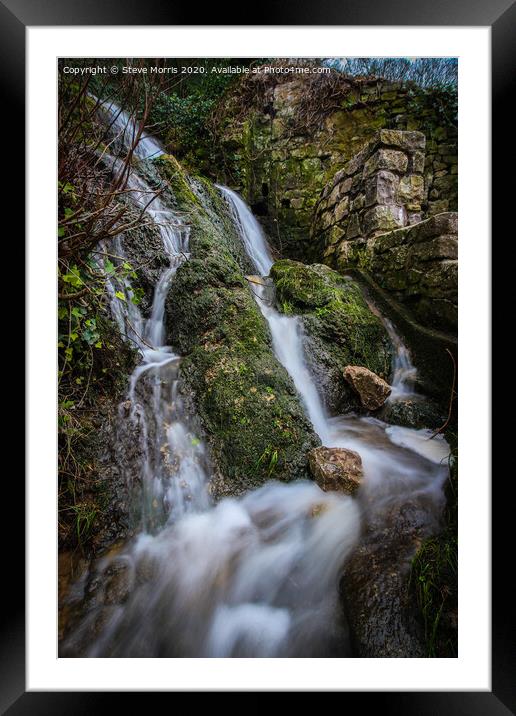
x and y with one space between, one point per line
434 574
434 72
246 401
93 359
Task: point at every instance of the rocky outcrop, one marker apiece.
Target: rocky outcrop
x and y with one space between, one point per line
248 406
372 390
336 469
340 329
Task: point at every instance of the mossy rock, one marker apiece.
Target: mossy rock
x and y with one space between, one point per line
413 412
340 327
247 403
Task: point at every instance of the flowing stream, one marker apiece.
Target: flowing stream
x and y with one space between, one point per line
399 463
255 576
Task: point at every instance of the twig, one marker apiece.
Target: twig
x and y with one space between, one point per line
452 395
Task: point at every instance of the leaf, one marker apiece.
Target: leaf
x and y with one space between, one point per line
109 266
61 232
120 295
98 344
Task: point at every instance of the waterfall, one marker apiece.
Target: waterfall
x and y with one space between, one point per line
250 577
123 130
286 331
399 464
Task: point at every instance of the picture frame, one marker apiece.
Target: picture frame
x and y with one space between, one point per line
15 17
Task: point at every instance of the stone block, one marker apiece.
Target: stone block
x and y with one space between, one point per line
381 188
390 159
384 218
411 189
407 141
357 203
438 207
443 247
418 162
342 208
353 229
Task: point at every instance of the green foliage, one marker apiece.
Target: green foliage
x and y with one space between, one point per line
92 361
183 121
183 118
434 575
269 457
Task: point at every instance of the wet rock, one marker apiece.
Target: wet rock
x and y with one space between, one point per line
414 412
372 390
376 586
118 582
336 469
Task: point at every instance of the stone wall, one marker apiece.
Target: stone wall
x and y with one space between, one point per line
381 188
418 266
280 156
370 216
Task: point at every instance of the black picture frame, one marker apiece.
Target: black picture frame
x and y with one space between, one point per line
15 16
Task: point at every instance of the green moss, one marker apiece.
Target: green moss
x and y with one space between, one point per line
246 401
336 317
172 171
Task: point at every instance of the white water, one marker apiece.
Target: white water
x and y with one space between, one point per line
124 130
172 473
255 576
285 330
399 463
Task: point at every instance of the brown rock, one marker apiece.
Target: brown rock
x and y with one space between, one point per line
372 390
336 469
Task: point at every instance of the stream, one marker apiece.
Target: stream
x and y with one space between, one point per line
254 576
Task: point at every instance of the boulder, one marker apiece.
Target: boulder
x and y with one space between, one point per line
415 411
372 390
336 469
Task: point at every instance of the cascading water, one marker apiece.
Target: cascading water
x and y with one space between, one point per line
249 577
124 130
399 463
285 330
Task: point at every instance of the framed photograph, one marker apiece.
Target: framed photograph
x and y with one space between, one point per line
256 353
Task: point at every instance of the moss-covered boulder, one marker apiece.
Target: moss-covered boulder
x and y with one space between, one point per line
340 327
247 403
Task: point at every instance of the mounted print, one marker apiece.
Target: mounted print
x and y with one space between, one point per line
257 304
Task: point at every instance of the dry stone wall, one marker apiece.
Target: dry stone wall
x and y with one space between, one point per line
370 216
379 189
281 162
